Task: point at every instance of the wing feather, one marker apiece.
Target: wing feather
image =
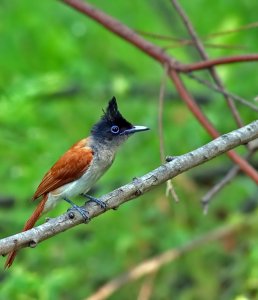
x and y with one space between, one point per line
68 168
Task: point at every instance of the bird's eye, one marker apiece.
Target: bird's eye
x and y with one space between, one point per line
115 129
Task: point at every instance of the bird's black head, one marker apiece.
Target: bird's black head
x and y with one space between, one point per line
113 126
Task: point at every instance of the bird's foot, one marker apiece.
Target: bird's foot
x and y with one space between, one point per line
96 200
84 213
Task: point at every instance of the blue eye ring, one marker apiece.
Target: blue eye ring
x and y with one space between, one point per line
115 129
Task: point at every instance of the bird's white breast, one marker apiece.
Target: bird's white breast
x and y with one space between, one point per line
100 164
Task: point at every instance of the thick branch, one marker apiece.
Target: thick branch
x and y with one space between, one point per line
134 189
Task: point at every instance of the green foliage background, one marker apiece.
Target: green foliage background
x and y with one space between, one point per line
58 70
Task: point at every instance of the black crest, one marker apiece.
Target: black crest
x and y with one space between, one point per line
111 117
112 114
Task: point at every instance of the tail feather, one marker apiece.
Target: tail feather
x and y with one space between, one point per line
28 225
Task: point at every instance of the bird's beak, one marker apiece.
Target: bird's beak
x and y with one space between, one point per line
135 129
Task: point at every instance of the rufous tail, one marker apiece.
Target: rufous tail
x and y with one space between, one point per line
28 225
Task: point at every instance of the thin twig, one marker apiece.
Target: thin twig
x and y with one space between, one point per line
208 45
217 89
134 189
201 65
146 288
154 264
178 42
171 190
207 198
204 56
160 113
235 30
169 186
204 37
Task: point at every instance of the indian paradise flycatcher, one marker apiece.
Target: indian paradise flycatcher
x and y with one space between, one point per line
81 166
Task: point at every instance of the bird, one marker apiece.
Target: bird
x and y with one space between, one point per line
81 166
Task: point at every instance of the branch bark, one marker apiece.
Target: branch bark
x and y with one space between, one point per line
133 189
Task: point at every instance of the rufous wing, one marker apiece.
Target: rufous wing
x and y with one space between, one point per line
68 168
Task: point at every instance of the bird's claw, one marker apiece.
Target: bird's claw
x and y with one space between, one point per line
83 212
102 204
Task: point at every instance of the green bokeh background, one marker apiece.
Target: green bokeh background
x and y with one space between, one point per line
58 69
